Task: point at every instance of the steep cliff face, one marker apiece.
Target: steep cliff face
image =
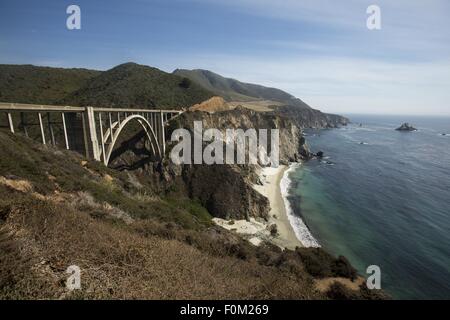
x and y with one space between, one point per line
224 189
292 143
311 118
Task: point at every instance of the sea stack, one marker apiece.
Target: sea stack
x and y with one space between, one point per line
406 127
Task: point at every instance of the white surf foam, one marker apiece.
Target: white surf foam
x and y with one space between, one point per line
300 229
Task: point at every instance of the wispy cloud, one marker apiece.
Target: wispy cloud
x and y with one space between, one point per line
344 67
409 27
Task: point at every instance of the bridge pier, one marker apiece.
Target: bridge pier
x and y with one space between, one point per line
163 138
93 133
10 122
66 139
41 126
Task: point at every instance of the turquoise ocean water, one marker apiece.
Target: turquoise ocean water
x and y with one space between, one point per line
382 197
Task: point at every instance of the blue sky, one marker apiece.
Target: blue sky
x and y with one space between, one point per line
321 51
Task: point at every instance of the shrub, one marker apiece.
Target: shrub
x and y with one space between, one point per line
240 251
317 262
321 264
185 83
341 267
273 230
338 291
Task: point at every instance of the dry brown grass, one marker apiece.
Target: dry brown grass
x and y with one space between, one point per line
213 104
257 105
118 262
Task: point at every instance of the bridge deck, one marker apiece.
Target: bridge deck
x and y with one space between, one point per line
49 108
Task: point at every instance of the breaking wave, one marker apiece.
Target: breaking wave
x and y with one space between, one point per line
300 229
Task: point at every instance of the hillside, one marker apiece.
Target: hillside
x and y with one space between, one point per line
131 85
260 98
57 209
40 85
126 85
233 90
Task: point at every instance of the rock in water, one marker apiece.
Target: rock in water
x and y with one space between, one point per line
406 127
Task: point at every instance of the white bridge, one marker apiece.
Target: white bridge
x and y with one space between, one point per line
101 127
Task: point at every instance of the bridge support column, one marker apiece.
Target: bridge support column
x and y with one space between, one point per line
41 126
93 133
163 138
66 139
10 122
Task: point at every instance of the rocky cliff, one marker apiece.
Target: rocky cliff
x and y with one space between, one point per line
292 143
311 118
225 190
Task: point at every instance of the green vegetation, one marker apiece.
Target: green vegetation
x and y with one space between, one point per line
231 89
40 85
126 86
321 264
135 86
38 163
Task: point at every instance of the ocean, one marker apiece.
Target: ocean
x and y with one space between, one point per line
380 197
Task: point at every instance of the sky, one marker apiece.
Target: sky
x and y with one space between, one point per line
318 50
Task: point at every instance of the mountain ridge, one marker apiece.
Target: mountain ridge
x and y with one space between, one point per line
232 89
126 85
282 103
133 85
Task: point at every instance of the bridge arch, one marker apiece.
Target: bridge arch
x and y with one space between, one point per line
114 135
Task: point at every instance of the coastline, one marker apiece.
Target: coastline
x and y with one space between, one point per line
296 223
292 232
258 230
271 179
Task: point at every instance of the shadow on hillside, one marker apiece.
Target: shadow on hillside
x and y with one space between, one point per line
132 152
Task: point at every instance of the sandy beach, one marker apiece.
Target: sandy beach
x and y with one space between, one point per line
257 231
271 178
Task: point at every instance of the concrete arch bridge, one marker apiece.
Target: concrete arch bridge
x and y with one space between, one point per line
100 127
